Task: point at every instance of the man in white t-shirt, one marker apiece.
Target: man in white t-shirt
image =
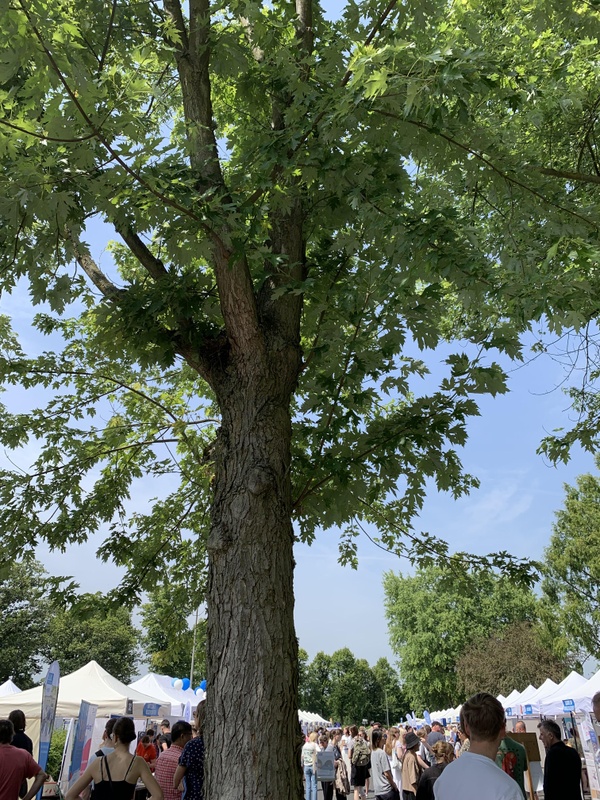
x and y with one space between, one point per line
475 775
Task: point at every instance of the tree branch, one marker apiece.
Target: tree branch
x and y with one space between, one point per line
569 176
192 54
154 266
93 271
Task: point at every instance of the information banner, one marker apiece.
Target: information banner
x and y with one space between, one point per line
82 741
49 701
591 751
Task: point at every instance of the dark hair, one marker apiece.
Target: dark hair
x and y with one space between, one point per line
150 732
353 731
483 717
376 737
324 739
180 729
165 724
551 727
124 730
145 739
110 724
7 731
17 718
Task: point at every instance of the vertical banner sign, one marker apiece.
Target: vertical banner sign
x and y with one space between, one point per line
82 741
63 780
49 701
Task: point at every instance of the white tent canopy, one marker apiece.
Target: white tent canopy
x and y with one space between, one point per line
513 709
582 696
531 706
91 683
160 686
310 716
553 703
511 698
9 688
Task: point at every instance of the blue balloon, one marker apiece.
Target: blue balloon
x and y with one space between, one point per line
186 684
203 685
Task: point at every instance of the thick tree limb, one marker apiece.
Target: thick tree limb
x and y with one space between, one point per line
580 177
154 266
192 54
93 271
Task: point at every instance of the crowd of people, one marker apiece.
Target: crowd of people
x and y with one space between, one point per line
474 760
170 765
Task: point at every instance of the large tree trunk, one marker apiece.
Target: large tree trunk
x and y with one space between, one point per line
252 647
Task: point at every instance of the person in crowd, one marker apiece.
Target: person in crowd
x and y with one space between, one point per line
146 749
20 740
17 766
168 760
342 781
164 738
361 756
463 744
520 727
396 761
475 775
411 767
390 747
424 754
437 733
191 760
309 764
326 786
106 747
562 767
596 706
443 753
116 775
350 745
384 785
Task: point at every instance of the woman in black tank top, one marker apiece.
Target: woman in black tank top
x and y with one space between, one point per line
115 776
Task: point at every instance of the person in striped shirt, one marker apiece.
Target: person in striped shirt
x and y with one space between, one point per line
167 761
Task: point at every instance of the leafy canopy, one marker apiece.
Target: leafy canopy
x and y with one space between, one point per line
571 574
441 158
435 615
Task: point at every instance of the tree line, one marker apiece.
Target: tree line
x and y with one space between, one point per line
36 629
457 631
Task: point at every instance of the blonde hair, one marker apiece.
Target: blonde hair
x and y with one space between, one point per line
442 751
391 741
312 737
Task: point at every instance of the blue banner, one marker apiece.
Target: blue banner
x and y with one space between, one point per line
427 717
528 710
82 740
49 701
568 705
150 709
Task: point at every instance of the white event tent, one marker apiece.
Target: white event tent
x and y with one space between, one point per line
160 686
91 683
513 709
553 704
9 688
573 694
310 716
531 705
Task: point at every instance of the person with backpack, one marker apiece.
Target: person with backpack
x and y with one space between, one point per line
361 758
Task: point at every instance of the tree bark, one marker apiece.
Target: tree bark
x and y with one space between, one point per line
252 646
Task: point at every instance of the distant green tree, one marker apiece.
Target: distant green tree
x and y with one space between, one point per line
25 611
302 676
168 637
571 584
435 614
514 656
393 703
317 688
91 630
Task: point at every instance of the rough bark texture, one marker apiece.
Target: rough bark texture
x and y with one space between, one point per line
252 725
